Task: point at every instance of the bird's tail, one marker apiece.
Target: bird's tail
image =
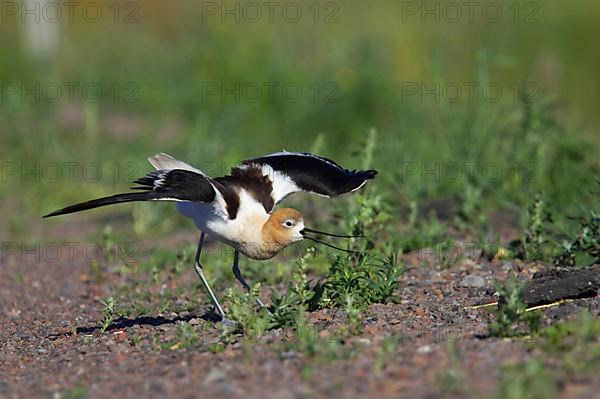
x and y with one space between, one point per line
98 202
165 185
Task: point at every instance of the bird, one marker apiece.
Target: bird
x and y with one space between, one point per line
239 209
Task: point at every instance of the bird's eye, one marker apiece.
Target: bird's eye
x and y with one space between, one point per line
288 223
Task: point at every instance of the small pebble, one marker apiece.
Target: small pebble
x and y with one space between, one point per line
214 375
473 281
289 354
507 266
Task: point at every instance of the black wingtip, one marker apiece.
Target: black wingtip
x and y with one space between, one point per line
65 211
365 174
371 173
59 212
104 201
55 213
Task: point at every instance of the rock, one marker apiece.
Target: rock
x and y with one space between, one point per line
552 285
473 281
214 375
289 354
507 267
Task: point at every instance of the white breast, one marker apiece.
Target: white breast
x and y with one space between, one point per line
243 230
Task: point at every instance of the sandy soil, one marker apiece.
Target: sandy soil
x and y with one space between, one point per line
51 344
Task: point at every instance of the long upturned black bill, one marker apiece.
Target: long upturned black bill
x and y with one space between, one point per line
305 233
307 230
330 245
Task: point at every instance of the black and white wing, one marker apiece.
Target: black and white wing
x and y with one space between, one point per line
180 183
167 162
291 172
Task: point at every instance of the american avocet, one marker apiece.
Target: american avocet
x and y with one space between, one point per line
238 209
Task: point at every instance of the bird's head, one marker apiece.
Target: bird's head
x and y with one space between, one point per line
284 227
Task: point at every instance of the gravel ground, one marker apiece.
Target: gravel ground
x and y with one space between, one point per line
52 346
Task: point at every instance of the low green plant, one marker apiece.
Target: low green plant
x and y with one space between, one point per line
365 278
136 340
540 241
492 249
163 259
585 244
353 319
186 336
575 343
526 380
299 286
450 378
152 218
352 283
285 308
108 240
535 239
572 348
512 315
470 214
97 273
383 279
77 392
316 349
241 308
420 232
444 255
109 313
384 352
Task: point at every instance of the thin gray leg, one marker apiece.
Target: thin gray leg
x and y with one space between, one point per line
198 268
238 276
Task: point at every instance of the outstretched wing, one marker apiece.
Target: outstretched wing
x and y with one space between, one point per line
225 201
160 185
167 162
291 172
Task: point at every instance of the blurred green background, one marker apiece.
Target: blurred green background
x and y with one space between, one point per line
193 79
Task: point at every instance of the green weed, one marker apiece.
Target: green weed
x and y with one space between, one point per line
535 245
186 337
586 242
365 278
574 343
384 353
135 341
445 257
241 308
109 313
353 319
450 378
526 380
512 315
316 350
470 213
570 351
77 392
299 294
420 232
